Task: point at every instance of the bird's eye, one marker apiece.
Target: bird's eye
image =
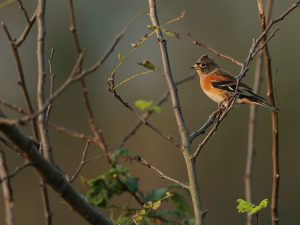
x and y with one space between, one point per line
202 65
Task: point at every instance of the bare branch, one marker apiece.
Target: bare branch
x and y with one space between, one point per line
9 144
143 162
275 116
13 107
53 176
7 190
146 115
24 11
52 77
41 95
16 172
251 136
220 115
110 81
82 162
19 41
72 133
230 59
205 126
21 81
73 27
199 211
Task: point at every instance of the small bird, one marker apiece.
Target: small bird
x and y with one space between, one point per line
220 86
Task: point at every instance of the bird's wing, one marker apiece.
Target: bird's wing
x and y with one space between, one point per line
229 83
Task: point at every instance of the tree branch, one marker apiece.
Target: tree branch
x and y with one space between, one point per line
217 53
7 190
275 116
53 176
199 213
41 95
146 115
143 162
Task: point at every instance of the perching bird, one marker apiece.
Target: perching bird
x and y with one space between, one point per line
220 85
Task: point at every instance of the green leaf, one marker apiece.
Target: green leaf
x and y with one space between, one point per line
143 106
263 204
156 205
124 220
244 206
121 57
139 216
156 194
250 209
147 64
131 183
180 203
97 194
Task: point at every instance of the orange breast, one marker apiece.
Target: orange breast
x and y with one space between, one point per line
213 93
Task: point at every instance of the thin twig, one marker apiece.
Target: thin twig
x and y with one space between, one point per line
7 190
252 53
99 139
143 162
13 107
82 162
71 133
214 129
16 171
19 41
24 11
53 176
111 48
9 144
275 117
110 81
21 81
52 77
72 78
146 115
230 59
93 127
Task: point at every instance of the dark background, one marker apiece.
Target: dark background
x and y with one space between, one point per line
227 26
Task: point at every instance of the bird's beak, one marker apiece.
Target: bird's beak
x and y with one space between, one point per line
193 66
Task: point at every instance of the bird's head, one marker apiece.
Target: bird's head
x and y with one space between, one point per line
205 65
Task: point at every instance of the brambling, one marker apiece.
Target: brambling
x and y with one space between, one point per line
220 85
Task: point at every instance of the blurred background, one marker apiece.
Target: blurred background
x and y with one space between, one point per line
228 26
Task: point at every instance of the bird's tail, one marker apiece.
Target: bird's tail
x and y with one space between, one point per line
257 100
266 105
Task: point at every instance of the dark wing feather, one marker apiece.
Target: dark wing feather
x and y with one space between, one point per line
244 91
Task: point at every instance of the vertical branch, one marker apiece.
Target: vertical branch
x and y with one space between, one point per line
253 112
251 137
185 139
21 80
275 118
41 96
7 190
